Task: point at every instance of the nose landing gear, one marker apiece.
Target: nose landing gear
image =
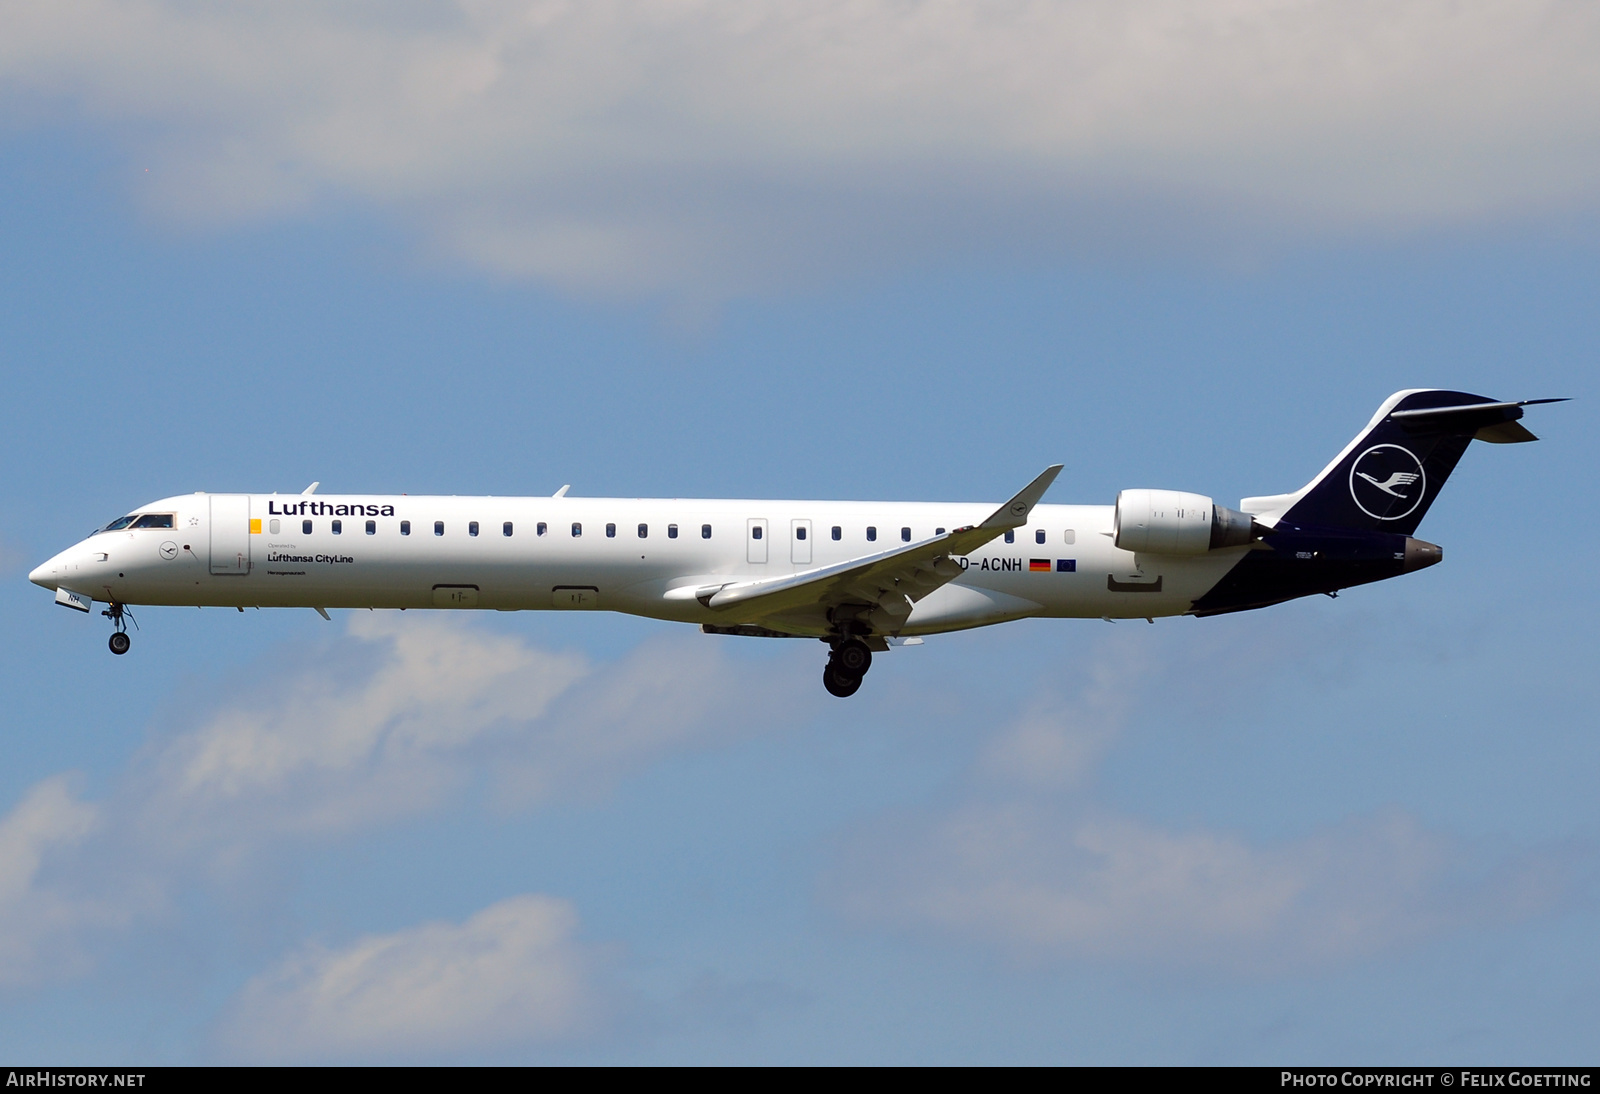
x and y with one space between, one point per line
847 664
120 617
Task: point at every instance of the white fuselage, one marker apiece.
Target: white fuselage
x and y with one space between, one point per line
617 554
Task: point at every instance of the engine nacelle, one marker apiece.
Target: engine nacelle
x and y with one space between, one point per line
1171 522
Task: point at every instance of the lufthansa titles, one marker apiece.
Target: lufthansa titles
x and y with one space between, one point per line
326 509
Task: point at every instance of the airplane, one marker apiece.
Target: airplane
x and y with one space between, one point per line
859 576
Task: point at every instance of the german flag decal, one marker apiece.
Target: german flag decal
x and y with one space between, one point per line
1038 565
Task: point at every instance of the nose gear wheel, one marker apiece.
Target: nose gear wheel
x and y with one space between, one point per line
120 617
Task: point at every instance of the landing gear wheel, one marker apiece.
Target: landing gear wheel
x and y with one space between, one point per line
839 683
853 657
120 617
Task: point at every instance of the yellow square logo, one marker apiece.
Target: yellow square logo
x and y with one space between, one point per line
255 526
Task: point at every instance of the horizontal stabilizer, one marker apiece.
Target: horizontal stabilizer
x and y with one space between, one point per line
1504 433
1493 422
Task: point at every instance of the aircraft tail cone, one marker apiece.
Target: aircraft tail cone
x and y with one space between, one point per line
1420 554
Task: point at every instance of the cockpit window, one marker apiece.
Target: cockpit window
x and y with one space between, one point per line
154 520
120 523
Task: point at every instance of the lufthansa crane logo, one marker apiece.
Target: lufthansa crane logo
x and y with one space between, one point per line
1387 482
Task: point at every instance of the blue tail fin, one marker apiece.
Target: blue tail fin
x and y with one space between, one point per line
1385 479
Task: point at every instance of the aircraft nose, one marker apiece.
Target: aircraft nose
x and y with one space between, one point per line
45 575
52 573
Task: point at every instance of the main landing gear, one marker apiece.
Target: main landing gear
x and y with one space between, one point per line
847 664
120 617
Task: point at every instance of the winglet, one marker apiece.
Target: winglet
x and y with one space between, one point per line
1014 513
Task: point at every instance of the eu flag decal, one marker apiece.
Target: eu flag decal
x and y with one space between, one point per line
1066 565
1038 565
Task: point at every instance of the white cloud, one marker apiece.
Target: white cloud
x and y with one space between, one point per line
1058 741
1041 881
664 697
41 909
512 973
337 744
345 742
389 723
621 147
1025 860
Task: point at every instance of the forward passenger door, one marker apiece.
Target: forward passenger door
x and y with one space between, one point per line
230 533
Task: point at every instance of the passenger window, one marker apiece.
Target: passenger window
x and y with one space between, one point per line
1038 537
438 527
541 528
305 527
372 527
472 527
1011 536
905 535
705 531
273 525
644 531
672 531
577 529
154 520
755 531
611 531
837 531
338 527
1071 537
872 534
800 531
405 528
505 529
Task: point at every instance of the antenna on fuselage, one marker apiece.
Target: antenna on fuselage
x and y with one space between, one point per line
562 492
312 489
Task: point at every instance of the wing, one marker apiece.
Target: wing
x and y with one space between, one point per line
885 585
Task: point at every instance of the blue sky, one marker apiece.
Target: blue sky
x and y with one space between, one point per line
918 254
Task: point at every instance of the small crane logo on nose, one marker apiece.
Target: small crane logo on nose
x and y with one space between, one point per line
169 550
